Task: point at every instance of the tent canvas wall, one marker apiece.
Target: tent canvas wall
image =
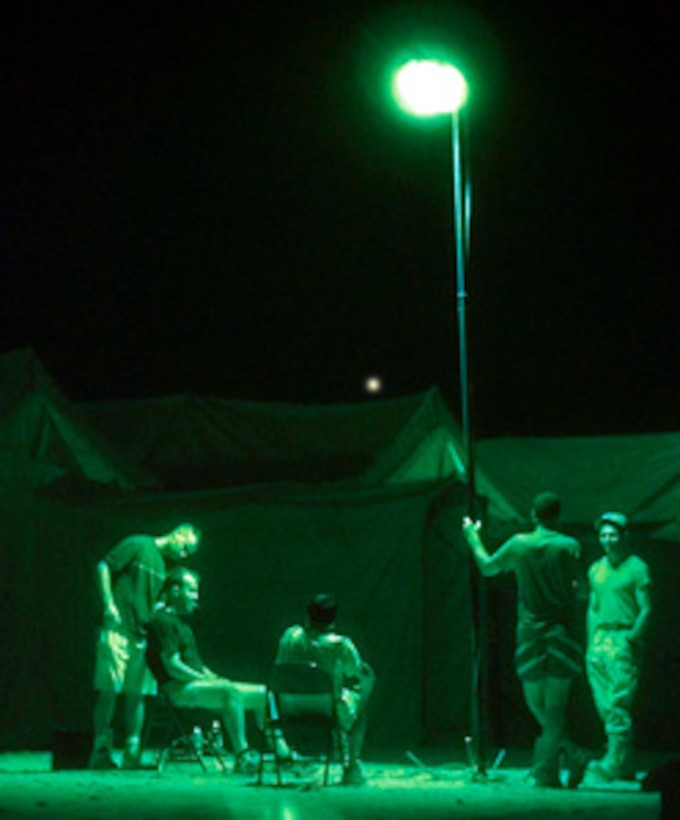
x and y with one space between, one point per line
318 498
195 442
50 436
264 554
366 499
636 473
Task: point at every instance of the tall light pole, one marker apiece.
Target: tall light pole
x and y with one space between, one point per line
428 88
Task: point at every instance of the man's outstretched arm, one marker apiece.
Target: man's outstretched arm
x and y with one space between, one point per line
488 564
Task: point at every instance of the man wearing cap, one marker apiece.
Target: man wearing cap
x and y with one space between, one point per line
548 657
618 614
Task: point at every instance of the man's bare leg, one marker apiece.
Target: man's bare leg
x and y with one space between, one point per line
135 710
553 709
102 745
534 697
221 696
255 700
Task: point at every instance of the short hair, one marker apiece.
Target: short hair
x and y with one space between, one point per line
546 506
322 609
176 577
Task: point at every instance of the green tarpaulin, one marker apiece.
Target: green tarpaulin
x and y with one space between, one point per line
363 500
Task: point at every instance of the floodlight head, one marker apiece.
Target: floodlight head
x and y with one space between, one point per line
427 88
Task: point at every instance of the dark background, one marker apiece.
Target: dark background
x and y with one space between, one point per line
224 199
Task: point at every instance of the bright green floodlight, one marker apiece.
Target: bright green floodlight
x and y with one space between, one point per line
429 87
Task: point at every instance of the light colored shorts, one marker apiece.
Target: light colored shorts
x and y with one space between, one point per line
120 665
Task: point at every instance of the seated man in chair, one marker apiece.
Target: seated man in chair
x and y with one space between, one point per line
336 654
173 657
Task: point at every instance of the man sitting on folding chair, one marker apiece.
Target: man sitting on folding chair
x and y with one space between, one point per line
173 657
336 654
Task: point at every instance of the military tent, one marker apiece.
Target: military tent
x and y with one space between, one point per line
192 442
639 474
46 436
364 500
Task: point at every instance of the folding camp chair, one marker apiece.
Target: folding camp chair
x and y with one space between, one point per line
171 730
301 704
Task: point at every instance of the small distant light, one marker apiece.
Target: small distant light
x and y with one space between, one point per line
373 384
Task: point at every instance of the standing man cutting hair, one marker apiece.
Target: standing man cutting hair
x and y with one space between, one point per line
547 655
130 579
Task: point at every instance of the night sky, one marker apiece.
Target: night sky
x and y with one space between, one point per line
225 199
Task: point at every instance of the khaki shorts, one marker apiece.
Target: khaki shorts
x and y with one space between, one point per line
546 649
120 665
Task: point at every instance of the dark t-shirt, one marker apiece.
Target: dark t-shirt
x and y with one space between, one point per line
546 565
137 573
169 634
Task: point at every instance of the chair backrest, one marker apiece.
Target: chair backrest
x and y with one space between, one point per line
302 691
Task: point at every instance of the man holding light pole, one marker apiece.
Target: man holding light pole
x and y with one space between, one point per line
548 658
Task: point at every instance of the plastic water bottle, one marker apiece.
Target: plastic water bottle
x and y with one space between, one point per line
216 735
197 739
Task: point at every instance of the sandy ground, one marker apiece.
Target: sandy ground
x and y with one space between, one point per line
29 788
